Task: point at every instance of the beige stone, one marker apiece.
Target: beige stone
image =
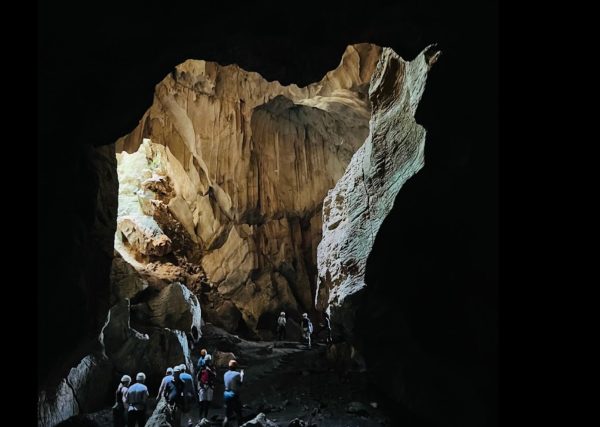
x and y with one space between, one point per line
355 208
243 165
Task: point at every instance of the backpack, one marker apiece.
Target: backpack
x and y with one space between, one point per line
204 376
310 327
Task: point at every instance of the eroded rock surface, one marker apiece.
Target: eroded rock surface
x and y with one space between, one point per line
222 183
356 207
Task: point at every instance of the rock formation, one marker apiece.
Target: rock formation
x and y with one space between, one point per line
355 208
77 382
223 180
80 392
222 195
122 349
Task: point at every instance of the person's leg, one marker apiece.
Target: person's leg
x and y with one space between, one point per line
131 419
238 410
142 418
177 416
228 412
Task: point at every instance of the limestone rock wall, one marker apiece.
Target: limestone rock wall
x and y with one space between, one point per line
223 180
355 208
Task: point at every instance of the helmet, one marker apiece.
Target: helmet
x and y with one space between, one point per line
140 376
207 358
183 367
125 379
305 315
233 363
169 371
282 313
177 369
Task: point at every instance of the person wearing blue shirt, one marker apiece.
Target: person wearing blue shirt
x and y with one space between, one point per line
136 397
201 360
189 391
163 384
233 382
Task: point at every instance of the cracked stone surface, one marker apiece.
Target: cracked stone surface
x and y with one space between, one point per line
355 208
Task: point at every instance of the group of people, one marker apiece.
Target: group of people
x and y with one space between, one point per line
130 405
179 391
307 328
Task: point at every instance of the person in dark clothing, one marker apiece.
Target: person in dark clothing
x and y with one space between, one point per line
119 412
163 384
174 396
281 321
327 326
233 382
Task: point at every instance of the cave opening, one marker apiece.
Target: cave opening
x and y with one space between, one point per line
221 187
228 209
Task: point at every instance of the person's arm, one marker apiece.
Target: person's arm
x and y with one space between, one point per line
126 398
161 389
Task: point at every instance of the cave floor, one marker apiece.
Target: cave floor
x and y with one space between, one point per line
285 381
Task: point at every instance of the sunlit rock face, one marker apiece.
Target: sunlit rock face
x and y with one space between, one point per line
353 213
356 207
222 184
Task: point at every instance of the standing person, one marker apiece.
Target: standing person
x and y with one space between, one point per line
307 329
119 413
174 396
189 392
136 397
233 382
203 354
327 325
281 321
206 386
163 384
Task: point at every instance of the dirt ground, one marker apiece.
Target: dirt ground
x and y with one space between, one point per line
286 381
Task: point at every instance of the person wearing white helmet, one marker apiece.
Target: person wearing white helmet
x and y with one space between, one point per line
174 395
327 327
119 413
206 384
307 328
189 392
136 397
163 384
281 321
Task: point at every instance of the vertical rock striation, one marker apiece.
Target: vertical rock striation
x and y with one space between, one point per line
223 180
355 208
